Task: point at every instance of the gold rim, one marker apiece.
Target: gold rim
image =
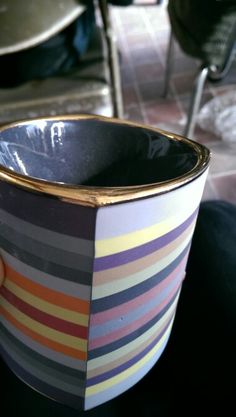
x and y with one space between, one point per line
101 196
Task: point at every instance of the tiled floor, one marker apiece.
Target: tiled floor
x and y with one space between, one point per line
143 33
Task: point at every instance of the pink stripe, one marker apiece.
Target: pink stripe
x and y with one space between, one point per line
124 331
107 315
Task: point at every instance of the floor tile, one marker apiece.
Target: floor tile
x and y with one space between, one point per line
143 36
152 91
163 111
130 97
134 113
148 72
140 56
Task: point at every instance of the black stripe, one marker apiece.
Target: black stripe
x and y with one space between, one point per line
124 296
61 396
60 271
47 252
95 353
24 349
48 211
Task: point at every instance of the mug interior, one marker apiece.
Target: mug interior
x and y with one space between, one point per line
93 152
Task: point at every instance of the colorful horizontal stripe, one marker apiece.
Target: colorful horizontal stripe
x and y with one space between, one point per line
116 299
129 349
51 296
138 271
126 270
80 274
45 299
42 329
39 366
49 390
146 241
49 212
49 320
44 351
36 336
12 224
90 294
144 274
63 286
59 312
136 252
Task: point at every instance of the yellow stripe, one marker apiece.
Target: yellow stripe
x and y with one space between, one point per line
113 245
130 371
60 312
118 285
55 335
97 363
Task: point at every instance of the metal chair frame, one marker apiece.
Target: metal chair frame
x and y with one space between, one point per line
110 42
113 59
206 72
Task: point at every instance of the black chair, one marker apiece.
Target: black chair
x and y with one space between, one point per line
92 87
207 31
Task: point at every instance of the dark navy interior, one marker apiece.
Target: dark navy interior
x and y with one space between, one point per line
93 152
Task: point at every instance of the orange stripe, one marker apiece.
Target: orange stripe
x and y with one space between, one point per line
54 297
77 354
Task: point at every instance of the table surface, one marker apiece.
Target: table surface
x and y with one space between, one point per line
28 23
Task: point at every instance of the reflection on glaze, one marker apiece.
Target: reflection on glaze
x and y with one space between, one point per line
94 153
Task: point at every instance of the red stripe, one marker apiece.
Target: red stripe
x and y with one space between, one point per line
44 318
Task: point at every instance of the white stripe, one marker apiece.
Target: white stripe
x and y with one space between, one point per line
118 285
121 219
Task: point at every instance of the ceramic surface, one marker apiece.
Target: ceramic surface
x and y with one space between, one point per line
92 285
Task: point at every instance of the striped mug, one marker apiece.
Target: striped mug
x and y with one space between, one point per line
96 221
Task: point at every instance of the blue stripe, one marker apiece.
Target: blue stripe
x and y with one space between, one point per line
105 303
36 357
112 372
99 330
48 390
114 390
103 350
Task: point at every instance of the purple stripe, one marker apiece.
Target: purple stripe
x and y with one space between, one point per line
49 212
121 297
124 257
109 374
48 390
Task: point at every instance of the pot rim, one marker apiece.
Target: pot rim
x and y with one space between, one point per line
101 196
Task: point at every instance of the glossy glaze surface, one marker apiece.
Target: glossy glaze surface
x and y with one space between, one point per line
93 152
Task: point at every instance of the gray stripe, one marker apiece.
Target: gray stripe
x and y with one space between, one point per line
16 241
54 283
52 268
137 313
119 387
51 377
76 364
55 239
39 359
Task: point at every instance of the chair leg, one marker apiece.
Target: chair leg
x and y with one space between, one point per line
115 75
195 102
169 64
113 60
